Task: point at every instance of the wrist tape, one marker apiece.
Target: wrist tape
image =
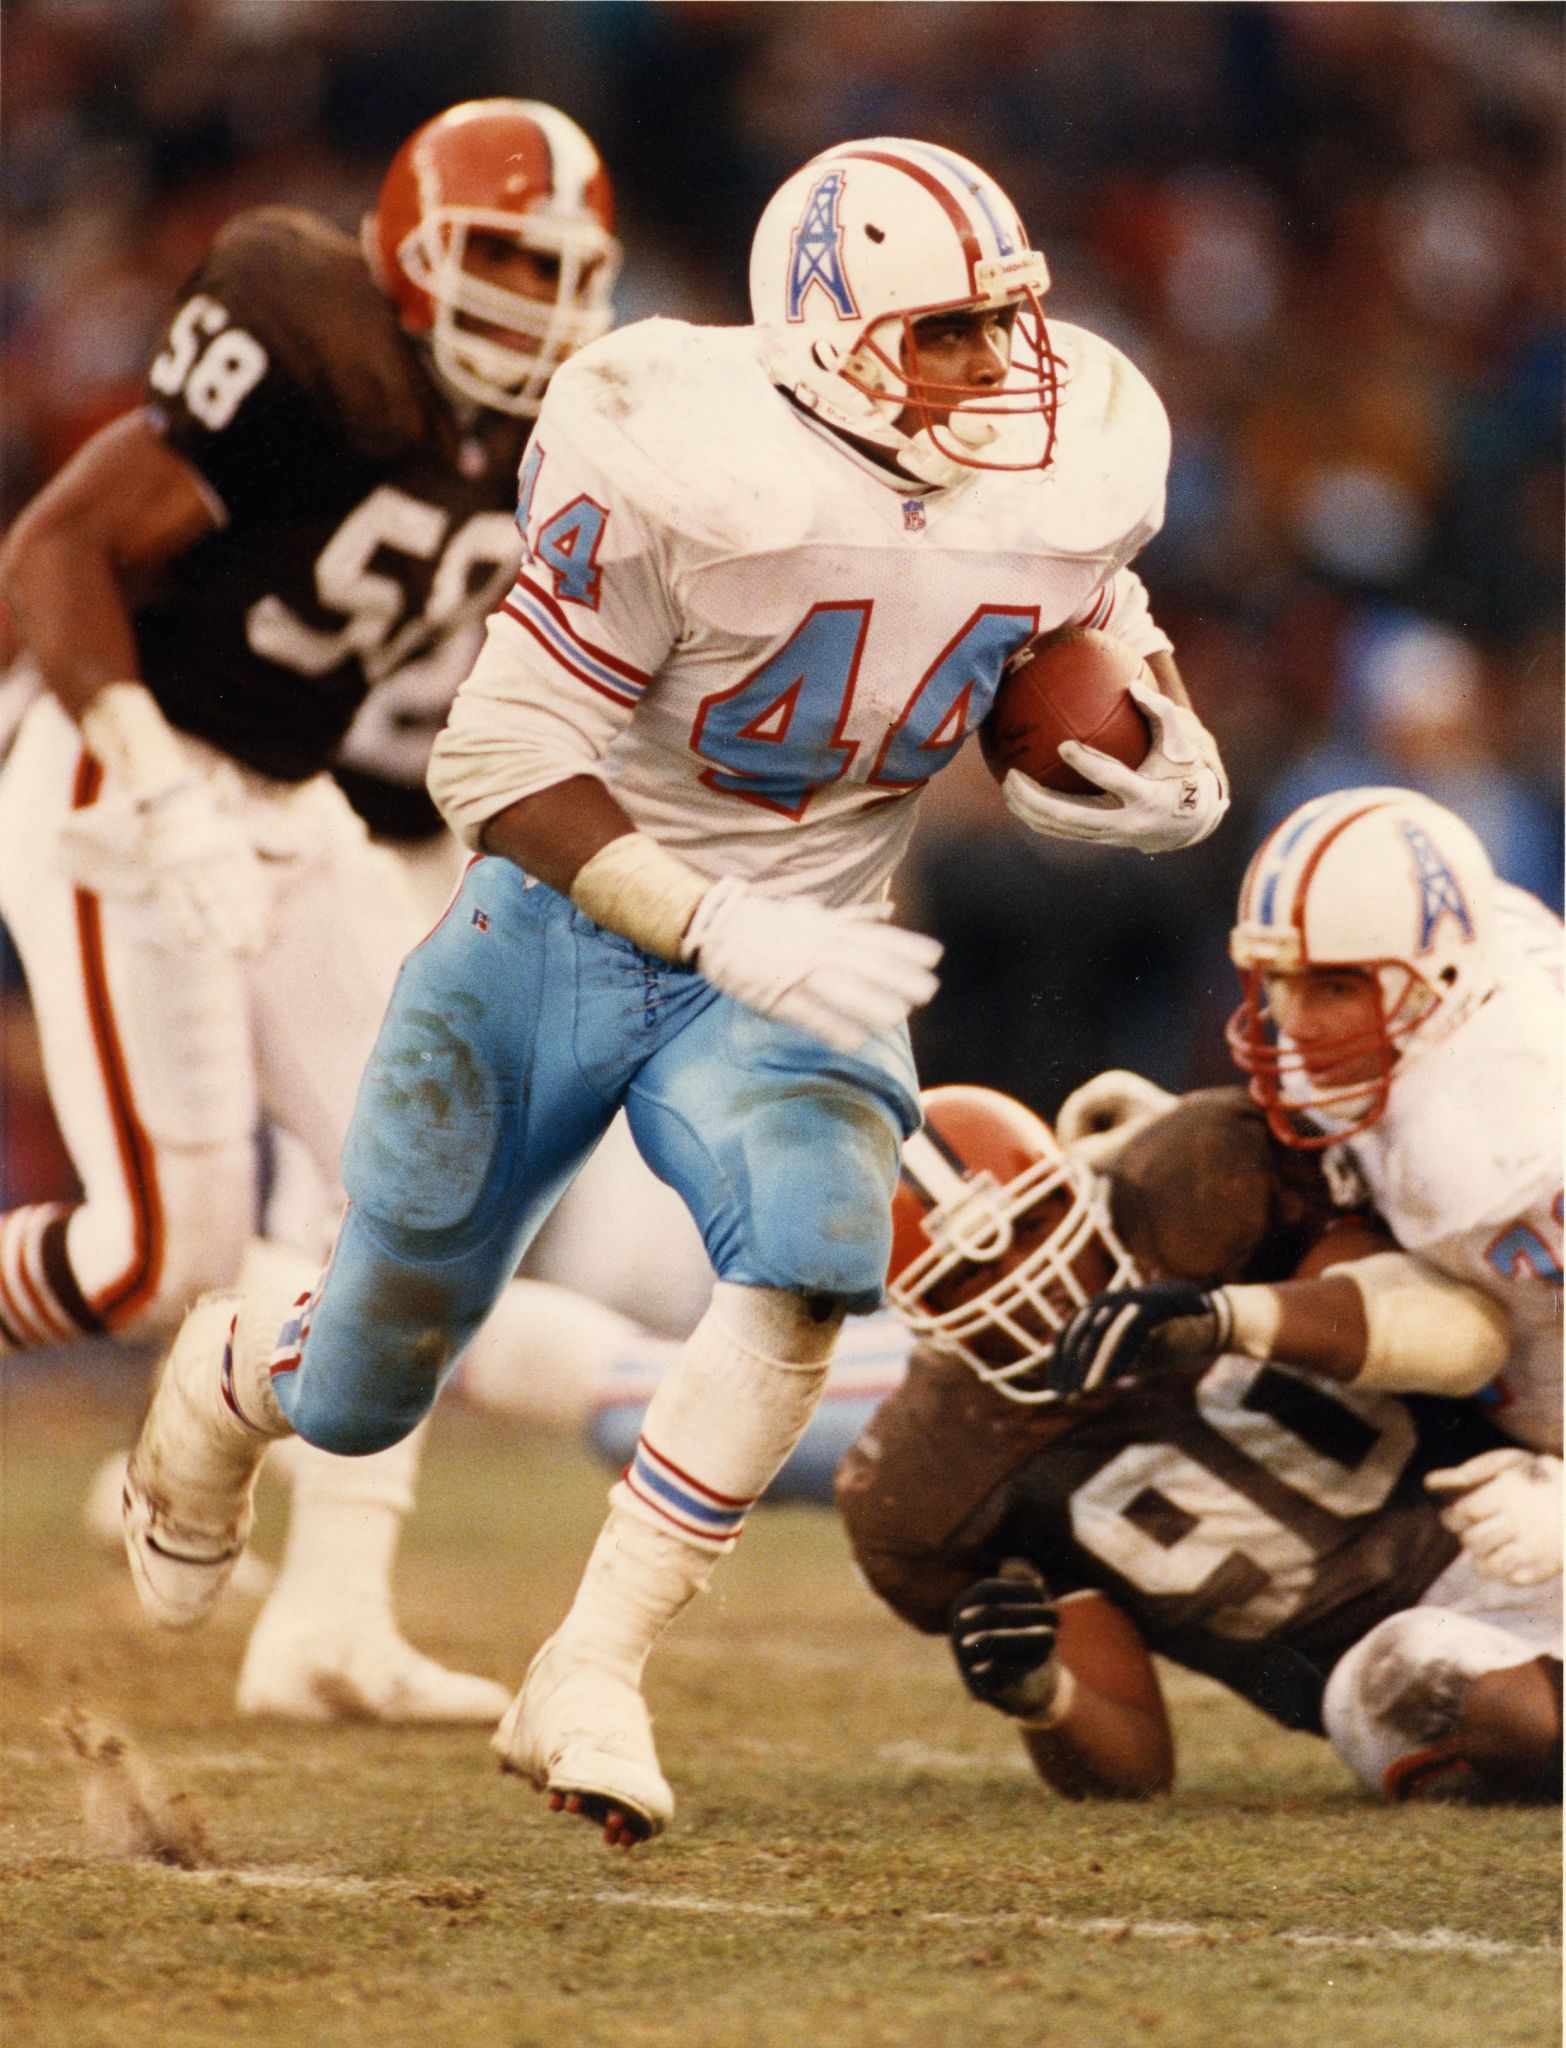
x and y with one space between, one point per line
131 739
1254 1314
639 889
1059 1704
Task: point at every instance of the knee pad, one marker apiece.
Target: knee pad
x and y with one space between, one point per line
1396 1697
824 1231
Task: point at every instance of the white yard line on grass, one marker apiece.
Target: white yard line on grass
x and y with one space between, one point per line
1442 1941
1435 1941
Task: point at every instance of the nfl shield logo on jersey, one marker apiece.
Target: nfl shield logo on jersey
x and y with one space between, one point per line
913 515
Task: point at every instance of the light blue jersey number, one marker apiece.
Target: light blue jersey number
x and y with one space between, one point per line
777 737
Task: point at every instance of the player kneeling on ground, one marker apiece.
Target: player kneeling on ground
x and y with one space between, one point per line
1266 1526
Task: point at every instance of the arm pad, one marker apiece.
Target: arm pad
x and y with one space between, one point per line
1428 1334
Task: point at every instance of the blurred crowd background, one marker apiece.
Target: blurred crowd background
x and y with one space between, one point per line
1330 234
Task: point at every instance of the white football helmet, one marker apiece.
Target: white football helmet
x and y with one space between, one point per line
998 1235
857 246
515 168
1382 879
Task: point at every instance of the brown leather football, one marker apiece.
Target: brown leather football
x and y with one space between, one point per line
1067 685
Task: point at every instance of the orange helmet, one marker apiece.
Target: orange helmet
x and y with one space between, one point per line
998 1235
521 170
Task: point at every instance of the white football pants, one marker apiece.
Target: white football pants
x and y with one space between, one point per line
163 1058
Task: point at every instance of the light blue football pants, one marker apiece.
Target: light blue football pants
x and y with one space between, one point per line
515 1032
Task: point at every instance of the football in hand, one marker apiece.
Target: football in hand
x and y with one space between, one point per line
1068 685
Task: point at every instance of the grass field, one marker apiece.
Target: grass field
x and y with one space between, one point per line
860 1859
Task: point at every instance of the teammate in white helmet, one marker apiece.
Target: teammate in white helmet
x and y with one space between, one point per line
1402 1015
771 577
315 497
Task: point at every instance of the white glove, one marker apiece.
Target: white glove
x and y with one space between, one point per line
1506 1512
1109 1100
177 844
163 827
1177 796
843 975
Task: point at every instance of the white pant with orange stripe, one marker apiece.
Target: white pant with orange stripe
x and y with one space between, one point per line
163 1059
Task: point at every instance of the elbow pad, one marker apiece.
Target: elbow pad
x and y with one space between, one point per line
1427 1334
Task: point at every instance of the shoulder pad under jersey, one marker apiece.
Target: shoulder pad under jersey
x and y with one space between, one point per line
1103 493
687 424
304 289
1530 934
1474 1125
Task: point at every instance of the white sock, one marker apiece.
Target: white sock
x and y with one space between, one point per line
273 1280
728 1412
344 1524
637 1580
722 1421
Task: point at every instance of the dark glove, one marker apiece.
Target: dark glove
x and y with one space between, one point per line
1003 1635
1135 1332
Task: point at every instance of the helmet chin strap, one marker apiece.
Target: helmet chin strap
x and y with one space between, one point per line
860 417
464 408
918 455
923 457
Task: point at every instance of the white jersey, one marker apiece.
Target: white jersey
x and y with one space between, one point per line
758 638
1465 1166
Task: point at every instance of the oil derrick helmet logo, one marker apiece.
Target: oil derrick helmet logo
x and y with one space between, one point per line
1440 894
816 250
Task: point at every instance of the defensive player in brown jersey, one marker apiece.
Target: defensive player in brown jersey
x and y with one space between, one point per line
1268 1528
315 495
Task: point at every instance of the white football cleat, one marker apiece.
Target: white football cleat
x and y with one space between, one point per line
191 1477
103 1518
584 1736
304 1666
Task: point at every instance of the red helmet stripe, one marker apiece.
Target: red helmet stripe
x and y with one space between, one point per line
1314 861
962 226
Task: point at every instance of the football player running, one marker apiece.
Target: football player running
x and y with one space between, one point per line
1269 1527
771 576
315 496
